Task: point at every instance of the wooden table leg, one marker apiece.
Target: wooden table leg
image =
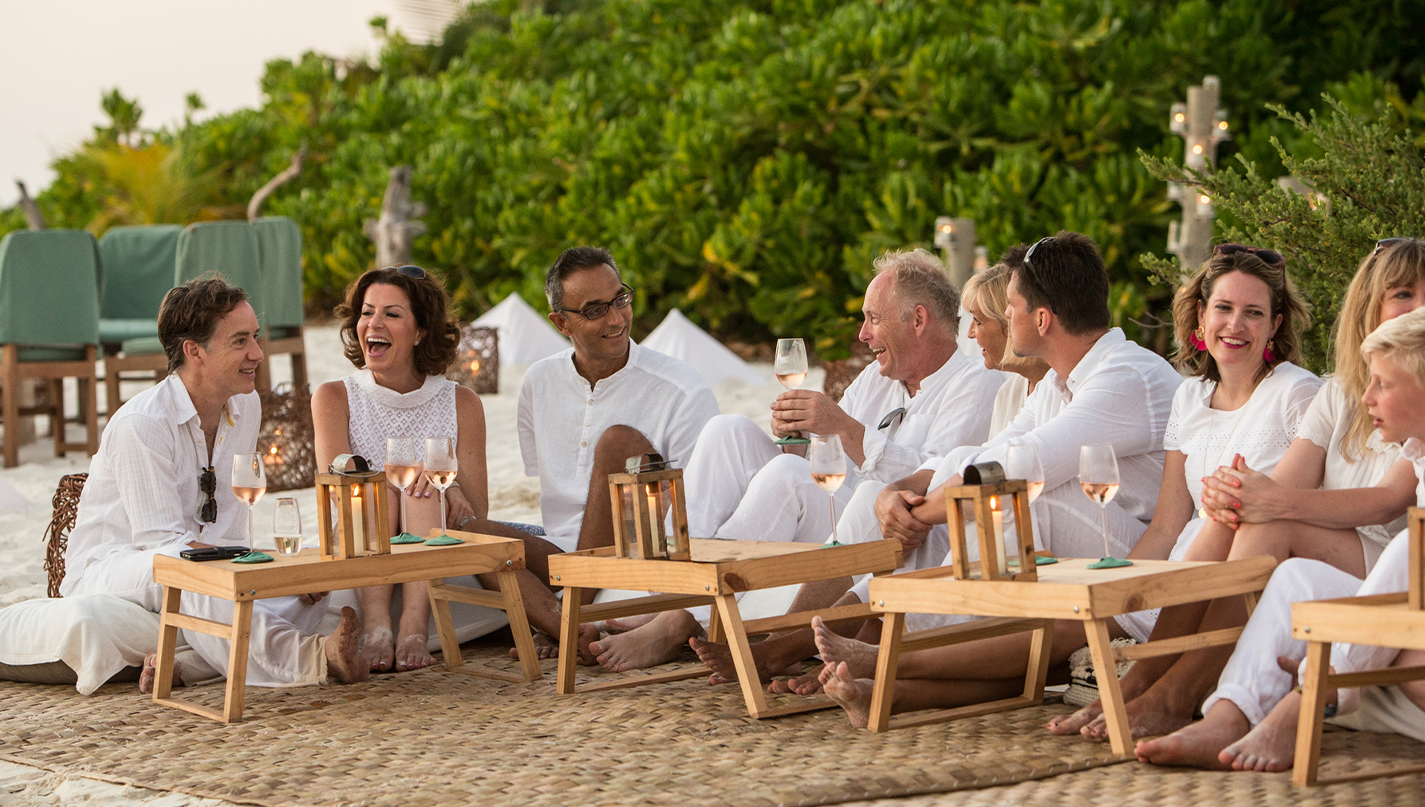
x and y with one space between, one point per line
715 631
1110 695
887 658
444 626
167 644
237 661
569 640
519 626
1313 704
726 605
1040 643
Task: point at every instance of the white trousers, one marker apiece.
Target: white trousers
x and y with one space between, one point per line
1254 682
741 486
283 649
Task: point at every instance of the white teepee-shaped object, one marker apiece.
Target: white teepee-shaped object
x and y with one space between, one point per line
678 337
525 335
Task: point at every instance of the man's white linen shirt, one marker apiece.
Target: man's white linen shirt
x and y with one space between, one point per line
952 408
1119 393
142 492
561 418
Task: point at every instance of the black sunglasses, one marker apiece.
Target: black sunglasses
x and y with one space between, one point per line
1037 244
1268 257
411 271
600 310
1386 242
208 483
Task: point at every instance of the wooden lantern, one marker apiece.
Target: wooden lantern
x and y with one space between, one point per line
641 497
990 495
359 501
477 360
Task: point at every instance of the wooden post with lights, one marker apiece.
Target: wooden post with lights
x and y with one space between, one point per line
957 237
1202 125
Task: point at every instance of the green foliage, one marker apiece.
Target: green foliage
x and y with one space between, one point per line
746 160
1367 170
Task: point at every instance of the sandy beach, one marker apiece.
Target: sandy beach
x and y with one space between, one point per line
513 497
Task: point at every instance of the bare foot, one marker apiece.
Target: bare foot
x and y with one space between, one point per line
1200 744
150 674
411 653
808 683
378 647
344 660
860 657
854 695
1074 723
657 642
545 647
626 625
718 658
1271 745
1148 716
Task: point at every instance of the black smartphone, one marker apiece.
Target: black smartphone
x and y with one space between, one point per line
214 553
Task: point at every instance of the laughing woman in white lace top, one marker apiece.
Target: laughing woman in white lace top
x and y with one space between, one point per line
396 329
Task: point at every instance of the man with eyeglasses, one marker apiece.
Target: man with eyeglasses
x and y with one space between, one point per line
582 413
161 483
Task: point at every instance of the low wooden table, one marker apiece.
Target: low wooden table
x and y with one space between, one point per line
306 572
717 572
1065 590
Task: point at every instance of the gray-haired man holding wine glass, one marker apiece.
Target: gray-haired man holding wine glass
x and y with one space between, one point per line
161 484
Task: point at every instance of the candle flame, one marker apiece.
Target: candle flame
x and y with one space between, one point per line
474 366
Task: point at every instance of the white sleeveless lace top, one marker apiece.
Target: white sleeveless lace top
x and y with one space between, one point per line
378 413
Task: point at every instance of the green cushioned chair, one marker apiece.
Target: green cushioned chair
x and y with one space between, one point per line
231 249
138 264
280 241
49 329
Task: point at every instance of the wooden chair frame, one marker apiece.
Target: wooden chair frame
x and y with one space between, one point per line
295 346
114 364
307 572
12 371
1384 620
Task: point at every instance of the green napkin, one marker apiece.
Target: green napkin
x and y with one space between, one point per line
444 540
1110 563
254 557
407 538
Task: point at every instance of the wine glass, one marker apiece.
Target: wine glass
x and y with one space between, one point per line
828 471
403 467
441 467
249 483
1098 476
287 527
1023 462
791 369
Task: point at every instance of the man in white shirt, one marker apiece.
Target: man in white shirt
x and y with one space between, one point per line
582 414
1101 388
161 483
920 399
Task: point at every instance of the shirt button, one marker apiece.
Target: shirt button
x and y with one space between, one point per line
583 445
591 400
587 423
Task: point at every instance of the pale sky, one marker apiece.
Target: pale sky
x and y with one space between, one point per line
59 56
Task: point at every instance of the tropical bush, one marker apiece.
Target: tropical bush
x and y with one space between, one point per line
747 159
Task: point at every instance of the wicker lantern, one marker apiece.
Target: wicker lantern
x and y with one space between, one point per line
641 498
989 495
359 525
285 439
477 360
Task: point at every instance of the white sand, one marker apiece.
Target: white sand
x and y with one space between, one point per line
513 497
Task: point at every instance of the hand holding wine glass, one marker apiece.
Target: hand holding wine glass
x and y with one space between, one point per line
403 467
828 471
249 483
790 366
440 467
1098 476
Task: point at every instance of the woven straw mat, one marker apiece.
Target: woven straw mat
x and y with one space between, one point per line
438 738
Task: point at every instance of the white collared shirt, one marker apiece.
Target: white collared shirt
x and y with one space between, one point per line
142 492
561 418
952 408
1119 393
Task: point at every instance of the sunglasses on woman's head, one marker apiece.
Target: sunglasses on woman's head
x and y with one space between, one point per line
1268 257
411 271
1385 243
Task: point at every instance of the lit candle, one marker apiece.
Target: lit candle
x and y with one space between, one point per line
655 521
272 457
997 524
358 517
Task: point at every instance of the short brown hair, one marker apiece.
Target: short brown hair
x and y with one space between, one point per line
1197 289
430 306
920 279
1065 274
192 311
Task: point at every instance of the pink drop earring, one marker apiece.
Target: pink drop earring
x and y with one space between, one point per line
1197 339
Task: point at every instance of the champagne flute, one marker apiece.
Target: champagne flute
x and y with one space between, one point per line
440 468
791 369
1023 462
287 527
249 483
403 467
828 471
1098 476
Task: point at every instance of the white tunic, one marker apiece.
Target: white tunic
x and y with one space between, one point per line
1008 401
378 413
561 418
